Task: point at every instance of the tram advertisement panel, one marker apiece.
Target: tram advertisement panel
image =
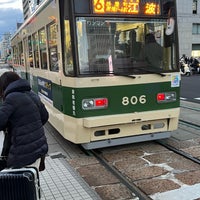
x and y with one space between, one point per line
45 88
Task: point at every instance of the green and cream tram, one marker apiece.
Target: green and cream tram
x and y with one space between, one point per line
89 62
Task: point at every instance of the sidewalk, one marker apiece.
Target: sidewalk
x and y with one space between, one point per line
60 182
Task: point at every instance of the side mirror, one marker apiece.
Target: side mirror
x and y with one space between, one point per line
170 26
170 21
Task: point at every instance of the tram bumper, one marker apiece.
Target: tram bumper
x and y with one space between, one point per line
130 128
125 140
131 118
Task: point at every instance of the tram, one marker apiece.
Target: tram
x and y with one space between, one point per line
90 63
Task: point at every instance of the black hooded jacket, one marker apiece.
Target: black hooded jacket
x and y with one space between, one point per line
23 115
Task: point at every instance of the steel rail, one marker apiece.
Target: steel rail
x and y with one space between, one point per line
190 108
132 187
179 152
190 124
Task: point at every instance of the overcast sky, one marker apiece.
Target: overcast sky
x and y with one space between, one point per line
10 15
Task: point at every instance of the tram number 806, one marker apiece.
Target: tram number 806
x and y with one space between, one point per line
134 100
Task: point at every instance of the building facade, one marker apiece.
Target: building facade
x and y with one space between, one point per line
29 7
189 27
5 47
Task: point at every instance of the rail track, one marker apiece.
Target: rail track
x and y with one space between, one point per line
121 174
180 152
190 108
132 185
140 195
189 124
187 110
144 169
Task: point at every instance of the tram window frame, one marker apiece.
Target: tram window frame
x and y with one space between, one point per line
52 46
21 53
30 51
68 55
43 48
53 59
15 54
36 50
25 47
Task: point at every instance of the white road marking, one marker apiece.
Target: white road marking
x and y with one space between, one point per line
181 98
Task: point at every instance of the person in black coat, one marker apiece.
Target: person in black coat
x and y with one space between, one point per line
22 115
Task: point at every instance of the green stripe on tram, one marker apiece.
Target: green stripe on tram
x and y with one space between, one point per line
121 99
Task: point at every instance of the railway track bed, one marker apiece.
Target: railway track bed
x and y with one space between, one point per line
146 170
152 169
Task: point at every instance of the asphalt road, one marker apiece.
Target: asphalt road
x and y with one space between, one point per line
190 88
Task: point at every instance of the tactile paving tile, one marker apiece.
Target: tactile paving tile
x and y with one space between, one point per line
60 182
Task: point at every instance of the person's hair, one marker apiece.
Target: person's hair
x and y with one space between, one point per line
5 79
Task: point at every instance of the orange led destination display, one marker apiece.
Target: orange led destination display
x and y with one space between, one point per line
152 9
145 7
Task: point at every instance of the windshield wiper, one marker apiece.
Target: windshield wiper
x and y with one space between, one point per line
106 73
96 73
143 69
125 75
151 71
158 73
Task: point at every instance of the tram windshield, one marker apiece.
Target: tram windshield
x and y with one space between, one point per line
124 46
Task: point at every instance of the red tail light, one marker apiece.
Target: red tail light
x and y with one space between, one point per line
96 103
160 97
101 102
166 97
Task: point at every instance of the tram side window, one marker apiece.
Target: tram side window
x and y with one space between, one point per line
21 54
30 52
52 44
43 50
14 54
68 51
35 50
25 46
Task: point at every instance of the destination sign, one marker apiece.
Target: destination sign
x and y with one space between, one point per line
130 7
